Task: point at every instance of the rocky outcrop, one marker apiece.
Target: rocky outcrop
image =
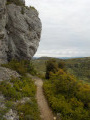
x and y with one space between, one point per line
11 115
6 74
3 33
20 30
23 1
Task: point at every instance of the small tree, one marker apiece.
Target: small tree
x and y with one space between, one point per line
61 65
17 2
51 66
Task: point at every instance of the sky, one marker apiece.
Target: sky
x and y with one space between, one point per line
65 27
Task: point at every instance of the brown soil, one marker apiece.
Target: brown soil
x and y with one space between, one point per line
46 113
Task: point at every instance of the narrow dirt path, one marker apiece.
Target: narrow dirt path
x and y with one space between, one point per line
46 113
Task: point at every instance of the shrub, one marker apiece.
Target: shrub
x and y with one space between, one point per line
31 69
17 89
61 65
22 67
23 87
17 2
3 111
51 66
9 91
29 110
22 10
68 96
9 104
32 7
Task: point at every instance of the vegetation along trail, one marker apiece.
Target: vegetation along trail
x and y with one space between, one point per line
46 113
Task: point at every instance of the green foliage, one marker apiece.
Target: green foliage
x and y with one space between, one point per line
32 7
9 104
51 66
9 91
16 89
17 2
68 96
29 110
31 69
23 87
22 67
80 67
22 10
3 111
61 65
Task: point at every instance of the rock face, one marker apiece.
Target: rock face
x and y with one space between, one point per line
6 74
3 33
11 115
20 31
23 1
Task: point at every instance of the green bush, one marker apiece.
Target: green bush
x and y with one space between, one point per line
22 67
32 7
22 10
68 96
30 111
17 2
3 111
9 104
61 65
23 87
9 91
51 66
17 89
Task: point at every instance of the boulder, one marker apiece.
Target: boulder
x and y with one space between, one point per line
20 31
6 74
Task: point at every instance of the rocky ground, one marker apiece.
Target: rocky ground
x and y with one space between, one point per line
20 31
46 113
6 74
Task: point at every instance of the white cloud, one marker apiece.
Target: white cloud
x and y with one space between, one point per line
64 53
66 27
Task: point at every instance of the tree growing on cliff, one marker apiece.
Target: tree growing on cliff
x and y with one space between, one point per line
17 2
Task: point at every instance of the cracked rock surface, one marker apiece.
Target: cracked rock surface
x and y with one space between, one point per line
6 74
20 31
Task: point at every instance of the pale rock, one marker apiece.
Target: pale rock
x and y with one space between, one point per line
20 31
6 74
11 115
2 101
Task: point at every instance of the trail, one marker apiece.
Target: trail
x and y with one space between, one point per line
46 113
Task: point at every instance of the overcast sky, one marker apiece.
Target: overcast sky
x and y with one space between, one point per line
65 27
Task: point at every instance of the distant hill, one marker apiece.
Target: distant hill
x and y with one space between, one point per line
80 67
43 58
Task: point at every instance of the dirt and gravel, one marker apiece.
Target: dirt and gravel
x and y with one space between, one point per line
46 113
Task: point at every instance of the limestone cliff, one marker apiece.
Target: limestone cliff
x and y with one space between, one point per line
20 30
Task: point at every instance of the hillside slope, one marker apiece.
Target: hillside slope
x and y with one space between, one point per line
80 67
